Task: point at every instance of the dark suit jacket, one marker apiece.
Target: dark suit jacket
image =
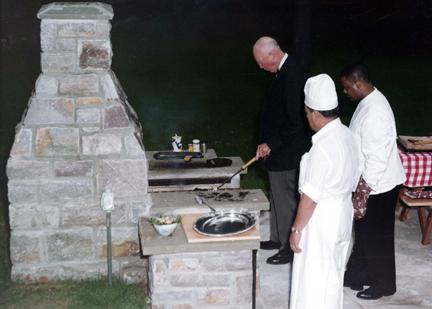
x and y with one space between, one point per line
283 122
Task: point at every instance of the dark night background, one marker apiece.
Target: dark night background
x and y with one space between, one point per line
187 66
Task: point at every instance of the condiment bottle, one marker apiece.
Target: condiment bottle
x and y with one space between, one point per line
196 145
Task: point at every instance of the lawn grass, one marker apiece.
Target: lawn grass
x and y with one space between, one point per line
85 294
190 72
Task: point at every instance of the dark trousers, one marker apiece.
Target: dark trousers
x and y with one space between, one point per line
283 204
372 261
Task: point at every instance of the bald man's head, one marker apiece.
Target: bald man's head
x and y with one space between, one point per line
267 54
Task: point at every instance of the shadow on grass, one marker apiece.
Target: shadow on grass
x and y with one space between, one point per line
84 294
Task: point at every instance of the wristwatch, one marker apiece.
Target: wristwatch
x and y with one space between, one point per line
295 230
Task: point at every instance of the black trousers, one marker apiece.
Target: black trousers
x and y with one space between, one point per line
372 261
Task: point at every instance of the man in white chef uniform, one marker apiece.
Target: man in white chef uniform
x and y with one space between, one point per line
321 233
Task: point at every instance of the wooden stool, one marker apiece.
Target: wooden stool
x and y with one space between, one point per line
424 210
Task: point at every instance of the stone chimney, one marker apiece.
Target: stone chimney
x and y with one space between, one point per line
78 137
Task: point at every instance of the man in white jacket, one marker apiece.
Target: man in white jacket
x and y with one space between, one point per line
372 262
321 233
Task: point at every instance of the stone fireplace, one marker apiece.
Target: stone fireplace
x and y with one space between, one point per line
78 137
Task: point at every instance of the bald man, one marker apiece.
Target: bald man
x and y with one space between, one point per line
284 138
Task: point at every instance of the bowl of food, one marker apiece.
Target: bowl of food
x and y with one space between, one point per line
165 225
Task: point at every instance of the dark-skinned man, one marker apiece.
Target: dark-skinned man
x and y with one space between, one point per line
372 262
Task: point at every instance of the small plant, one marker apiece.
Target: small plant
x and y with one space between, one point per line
164 220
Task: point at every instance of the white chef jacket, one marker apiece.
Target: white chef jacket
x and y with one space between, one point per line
373 122
329 173
333 166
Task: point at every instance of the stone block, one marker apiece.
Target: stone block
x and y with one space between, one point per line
133 146
171 296
75 214
125 178
48 35
188 279
133 270
75 270
180 263
89 101
85 29
216 280
133 275
90 269
22 192
90 130
25 216
66 44
140 209
158 266
27 169
91 214
244 289
115 117
124 241
111 89
227 261
24 247
22 146
120 215
216 264
82 84
101 144
88 116
94 54
69 245
126 248
73 168
182 306
46 85
213 297
237 261
57 62
57 142
50 111
62 190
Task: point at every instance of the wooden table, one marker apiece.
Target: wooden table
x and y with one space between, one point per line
418 170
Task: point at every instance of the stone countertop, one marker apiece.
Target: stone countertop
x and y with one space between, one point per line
184 202
152 243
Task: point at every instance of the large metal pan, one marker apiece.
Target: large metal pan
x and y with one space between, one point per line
225 223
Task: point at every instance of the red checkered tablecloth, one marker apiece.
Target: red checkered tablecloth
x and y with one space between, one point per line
418 168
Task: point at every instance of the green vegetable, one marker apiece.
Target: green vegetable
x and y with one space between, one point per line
162 220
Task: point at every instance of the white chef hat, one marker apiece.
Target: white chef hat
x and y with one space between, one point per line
320 93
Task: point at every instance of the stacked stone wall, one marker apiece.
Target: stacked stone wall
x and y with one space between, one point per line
201 280
78 137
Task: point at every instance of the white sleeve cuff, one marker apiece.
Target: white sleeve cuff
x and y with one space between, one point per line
310 191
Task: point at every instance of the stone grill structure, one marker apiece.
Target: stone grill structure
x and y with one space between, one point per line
78 137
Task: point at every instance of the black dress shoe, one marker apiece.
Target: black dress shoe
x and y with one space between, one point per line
282 257
372 294
269 245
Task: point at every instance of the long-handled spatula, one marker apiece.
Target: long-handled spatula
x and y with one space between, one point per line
240 170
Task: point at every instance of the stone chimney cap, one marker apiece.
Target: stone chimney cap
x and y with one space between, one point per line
76 10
